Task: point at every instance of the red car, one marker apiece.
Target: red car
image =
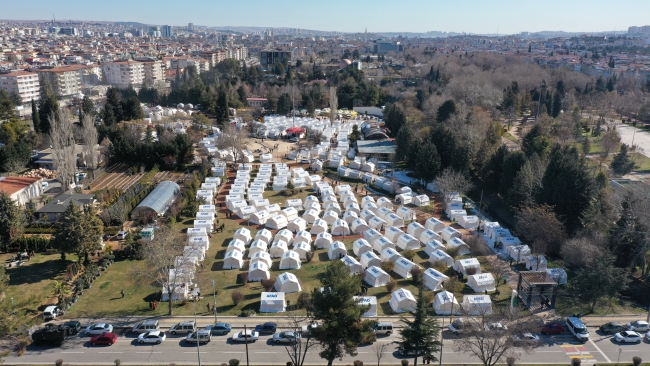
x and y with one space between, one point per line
106 338
553 328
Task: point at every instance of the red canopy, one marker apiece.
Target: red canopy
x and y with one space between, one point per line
295 130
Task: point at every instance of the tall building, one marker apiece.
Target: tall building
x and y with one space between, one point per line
121 74
167 31
154 76
383 47
23 83
65 80
190 27
268 58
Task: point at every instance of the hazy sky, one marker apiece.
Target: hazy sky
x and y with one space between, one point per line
473 16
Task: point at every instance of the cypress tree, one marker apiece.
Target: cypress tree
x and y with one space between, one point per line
36 119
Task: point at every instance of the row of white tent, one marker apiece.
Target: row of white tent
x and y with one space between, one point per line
445 303
181 276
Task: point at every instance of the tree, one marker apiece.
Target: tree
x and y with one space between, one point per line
338 313
36 120
512 164
78 231
63 148
446 110
61 290
610 140
394 118
599 280
334 104
271 102
451 181
527 183
540 226
6 106
223 108
233 139
241 92
420 335
630 236
12 221
299 349
48 106
112 112
355 134
622 164
428 162
379 349
493 170
284 104
90 138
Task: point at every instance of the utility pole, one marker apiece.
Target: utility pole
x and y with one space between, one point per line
198 350
246 339
214 296
293 102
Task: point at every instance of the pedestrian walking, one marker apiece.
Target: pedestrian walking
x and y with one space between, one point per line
208 305
122 292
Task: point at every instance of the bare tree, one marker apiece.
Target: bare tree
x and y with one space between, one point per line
610 140
299 349
233 139
379 349
89 135
540 223
334 104
451 181
63 147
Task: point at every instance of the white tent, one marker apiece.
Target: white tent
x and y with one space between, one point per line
558 274
393 233
381 243
359 226
454 215
394 220
340 227
313 206
233 259
369 259
367 301
342 188
361 246
536 263
353 264
384 202
434 280
421 200
489 226
284 235
298 224
277 222
323 240
237 244
402 300
350 216
260 204
439 255
336 250
264 235
477 304
302 249
463 248
246 212
310 216
449 232
390 254
371 234
375 276
405 213
328 198
290 213
273 209
334 207
263 257
278 248
370 206
428 235
243 234
367 215
407 242
272 302
353 207
518 252
509 241
258 271
433 245
200 240
330 217
403 267
468 222
179 292
319 226
445 303
311 198
287 283
463 265
302 237
290 260
415 229
198 231
205 216
376 223
481 282
204 224
295 203
367 199
257 246
434 224
207 208
312 179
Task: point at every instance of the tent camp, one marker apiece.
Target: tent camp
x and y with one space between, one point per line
330 217
361 246
558 274
238 245
405 213
376 223
353 207
245 213
277 222
311 198
243 234
403 267
369 259
273 209
390 254
287 283
257 246
428 235
375 276
302 237
433 245
449 232
295 203
402 300
359 226
334 207
455 215
350 216
290 260
445 303
353 264
366 215
421 200
381 243
233 259
536 263
468 222
323 240
393 233
298 224
290 213
394 220
263 257
340 227
415 229
272 302
407 242
481 282
463 265
367 301
313 206
477 304
264 235
310 216
367 199
439 255
434 225
463 248
278 248
192 232
371 234
384 202
336 250
313 179
434 279
319 226
285 235
518 252
370 206
302 249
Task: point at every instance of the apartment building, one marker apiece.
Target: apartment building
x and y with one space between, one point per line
65 80
154 75
121 74
268 58
23 83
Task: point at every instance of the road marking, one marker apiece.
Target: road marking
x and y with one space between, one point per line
599 350
543 352
70 352
110 352
263 352
147 352
228 352
631 350
194 352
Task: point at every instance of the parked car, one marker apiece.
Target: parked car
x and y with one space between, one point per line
403 352
146 326
294 139
106 237
183 327
152 336
612 327
51 334
647 336
383 328
495 327
200 336
306 329
99 328
266 328
304 161
122 235
107 339
285 337
51 312
219 328
73 326
638 326
525 339
248 336
628 336
553 328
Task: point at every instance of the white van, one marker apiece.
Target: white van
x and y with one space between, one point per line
183 328
51 312
384 328
577 328
122 235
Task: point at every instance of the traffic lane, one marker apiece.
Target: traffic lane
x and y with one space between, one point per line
608 346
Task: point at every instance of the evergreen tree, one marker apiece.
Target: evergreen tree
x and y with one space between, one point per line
600 84
420 335
610 84
611 62
493 170
446 110
284 104
427 162
511 166
557 105
431 76
12 221
271 102
404 144
394 119
36 120
242 95
48 106
527 143
223 107
622 164
78 231
600 280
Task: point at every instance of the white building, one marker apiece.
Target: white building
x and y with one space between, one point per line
121 74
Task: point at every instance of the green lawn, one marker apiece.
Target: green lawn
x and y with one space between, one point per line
511 137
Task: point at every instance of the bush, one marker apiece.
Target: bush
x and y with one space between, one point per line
387 266
268 284
118 362
289 363
416 273
58 362
304 300
439 266
244 278
471 271
390 286
453 251
429 296
247 313
576 361
511 360
409 254
237 297
310 256
405 362
636 360
233 362
358 363
454 285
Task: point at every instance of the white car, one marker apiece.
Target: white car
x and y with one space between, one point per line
248 336
99 328
285 337
638 326
628 336
526 339
153 336
647 336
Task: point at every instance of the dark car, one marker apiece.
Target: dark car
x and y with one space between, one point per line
219 328
51 334
553 328
266 328
403 352
106 237
106 338
612 328
73 326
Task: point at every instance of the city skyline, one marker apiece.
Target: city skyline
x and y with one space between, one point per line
499 16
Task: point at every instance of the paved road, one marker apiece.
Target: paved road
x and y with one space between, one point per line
631 134
553 349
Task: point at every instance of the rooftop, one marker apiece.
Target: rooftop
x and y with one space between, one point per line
376 146
11 185
61 202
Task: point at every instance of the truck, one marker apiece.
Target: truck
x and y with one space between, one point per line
51 334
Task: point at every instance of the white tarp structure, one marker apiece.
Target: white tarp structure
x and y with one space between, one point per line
302 249
323 240
536 263
415 229
277 222
361 246
449 232
381 243
462 247
375 276
243 234
264 235
433 245
434 225
445 303
404 198
390 254
407 242
302 237
258 271
359 226
272 302
234 259
259 217
455 215
336 250
508 241
477 304
278 249
481 282
367 301
405 213
371 234
196 231
298 224
394 220
376 223
257 246
330 217
421 200
558 274
384 202
428 235
284 235
287 283
369 259
295 203
340 227
290 260
318 227
353 264
403 267
290 213
463 265
263 257
350 216
434 279
402 300
468 222
382 212
439 255
392 233
310 216
238 245
518 252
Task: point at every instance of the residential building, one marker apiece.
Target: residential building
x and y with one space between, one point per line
22 189
24 83
153 73
167 31
256 102
121 74
382 150
190 27
268 58
65 80
60 203
383 47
